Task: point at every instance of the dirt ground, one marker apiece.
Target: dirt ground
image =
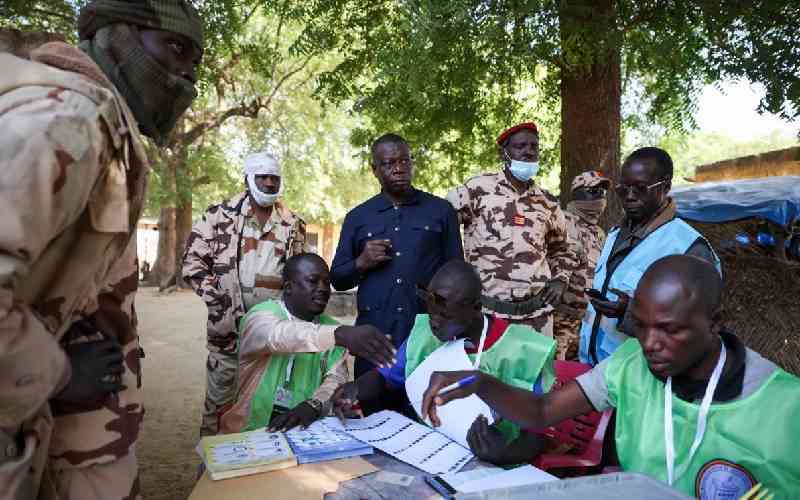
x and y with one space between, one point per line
172 331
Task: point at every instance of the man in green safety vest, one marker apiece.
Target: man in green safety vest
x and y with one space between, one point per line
695 407
292 356
513 353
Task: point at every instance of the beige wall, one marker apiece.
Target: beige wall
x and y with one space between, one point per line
771 164
327 238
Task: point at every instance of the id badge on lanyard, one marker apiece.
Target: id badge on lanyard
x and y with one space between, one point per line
702 417
283 395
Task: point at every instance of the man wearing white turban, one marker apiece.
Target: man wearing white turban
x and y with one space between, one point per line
234 259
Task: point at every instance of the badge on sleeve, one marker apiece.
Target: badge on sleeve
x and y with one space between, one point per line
519 220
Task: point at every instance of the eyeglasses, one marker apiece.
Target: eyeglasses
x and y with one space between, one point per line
438 304
391 164
431 298
638 189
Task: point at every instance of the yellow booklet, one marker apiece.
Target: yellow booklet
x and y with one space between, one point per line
233 455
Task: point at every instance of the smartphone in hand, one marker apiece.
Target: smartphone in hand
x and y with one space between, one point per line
594 294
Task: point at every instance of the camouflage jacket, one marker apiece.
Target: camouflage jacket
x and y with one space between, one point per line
214 251
516 241
586 242
73 175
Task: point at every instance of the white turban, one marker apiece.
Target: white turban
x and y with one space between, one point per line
261 164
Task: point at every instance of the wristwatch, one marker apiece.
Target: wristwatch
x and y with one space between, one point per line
316 404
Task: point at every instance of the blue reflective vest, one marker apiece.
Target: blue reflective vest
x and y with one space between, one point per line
673 238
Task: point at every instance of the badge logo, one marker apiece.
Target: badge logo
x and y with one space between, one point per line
722 480
519 220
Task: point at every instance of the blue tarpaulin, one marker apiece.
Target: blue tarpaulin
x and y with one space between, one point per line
776 199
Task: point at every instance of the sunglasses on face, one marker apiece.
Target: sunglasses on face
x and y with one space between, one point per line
622 190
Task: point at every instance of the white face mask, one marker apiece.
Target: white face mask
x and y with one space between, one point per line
261 198
524 170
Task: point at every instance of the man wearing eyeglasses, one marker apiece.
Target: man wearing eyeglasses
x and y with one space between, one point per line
586 238
515 234
512 353
649 231
391 242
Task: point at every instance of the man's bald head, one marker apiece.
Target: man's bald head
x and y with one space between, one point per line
676 316
699 280
461 276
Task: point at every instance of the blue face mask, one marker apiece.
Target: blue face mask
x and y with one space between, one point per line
524 170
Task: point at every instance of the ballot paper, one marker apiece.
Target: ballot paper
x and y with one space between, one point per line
456 416
527 474
415 444
487 478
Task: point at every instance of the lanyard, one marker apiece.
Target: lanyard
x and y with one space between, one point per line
702 416
290 364
482 341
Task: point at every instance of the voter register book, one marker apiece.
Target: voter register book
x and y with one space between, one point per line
233 455
319 443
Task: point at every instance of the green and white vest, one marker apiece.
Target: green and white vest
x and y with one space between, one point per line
518 358
306 375
747 441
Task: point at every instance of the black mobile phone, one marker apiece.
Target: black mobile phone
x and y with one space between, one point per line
595 294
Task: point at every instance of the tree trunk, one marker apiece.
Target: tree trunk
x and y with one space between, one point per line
183 213
591 100
164 268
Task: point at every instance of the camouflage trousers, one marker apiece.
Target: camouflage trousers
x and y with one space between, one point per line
220 389
117 480
566 330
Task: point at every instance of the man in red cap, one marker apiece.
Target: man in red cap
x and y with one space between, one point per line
515 234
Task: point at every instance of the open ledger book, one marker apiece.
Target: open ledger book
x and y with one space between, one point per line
232 455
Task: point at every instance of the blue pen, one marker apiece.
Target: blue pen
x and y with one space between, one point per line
461 383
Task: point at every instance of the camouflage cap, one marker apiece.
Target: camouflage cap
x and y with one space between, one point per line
178 16
590 178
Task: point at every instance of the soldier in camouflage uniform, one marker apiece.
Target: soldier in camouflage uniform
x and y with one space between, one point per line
73 174
234 259
586 238
515 234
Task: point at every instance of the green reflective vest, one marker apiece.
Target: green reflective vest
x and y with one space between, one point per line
307 372
747 441
518 358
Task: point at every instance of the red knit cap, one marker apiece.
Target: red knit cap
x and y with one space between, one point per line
516 128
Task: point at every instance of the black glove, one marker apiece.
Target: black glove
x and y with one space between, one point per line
96 370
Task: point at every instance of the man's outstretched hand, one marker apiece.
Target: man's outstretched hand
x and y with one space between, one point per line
366 341
433 397
303 414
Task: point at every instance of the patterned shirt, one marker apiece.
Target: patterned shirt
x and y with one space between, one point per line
263 256
516 240
586 242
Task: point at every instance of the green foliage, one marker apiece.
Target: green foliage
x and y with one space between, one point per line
448 75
